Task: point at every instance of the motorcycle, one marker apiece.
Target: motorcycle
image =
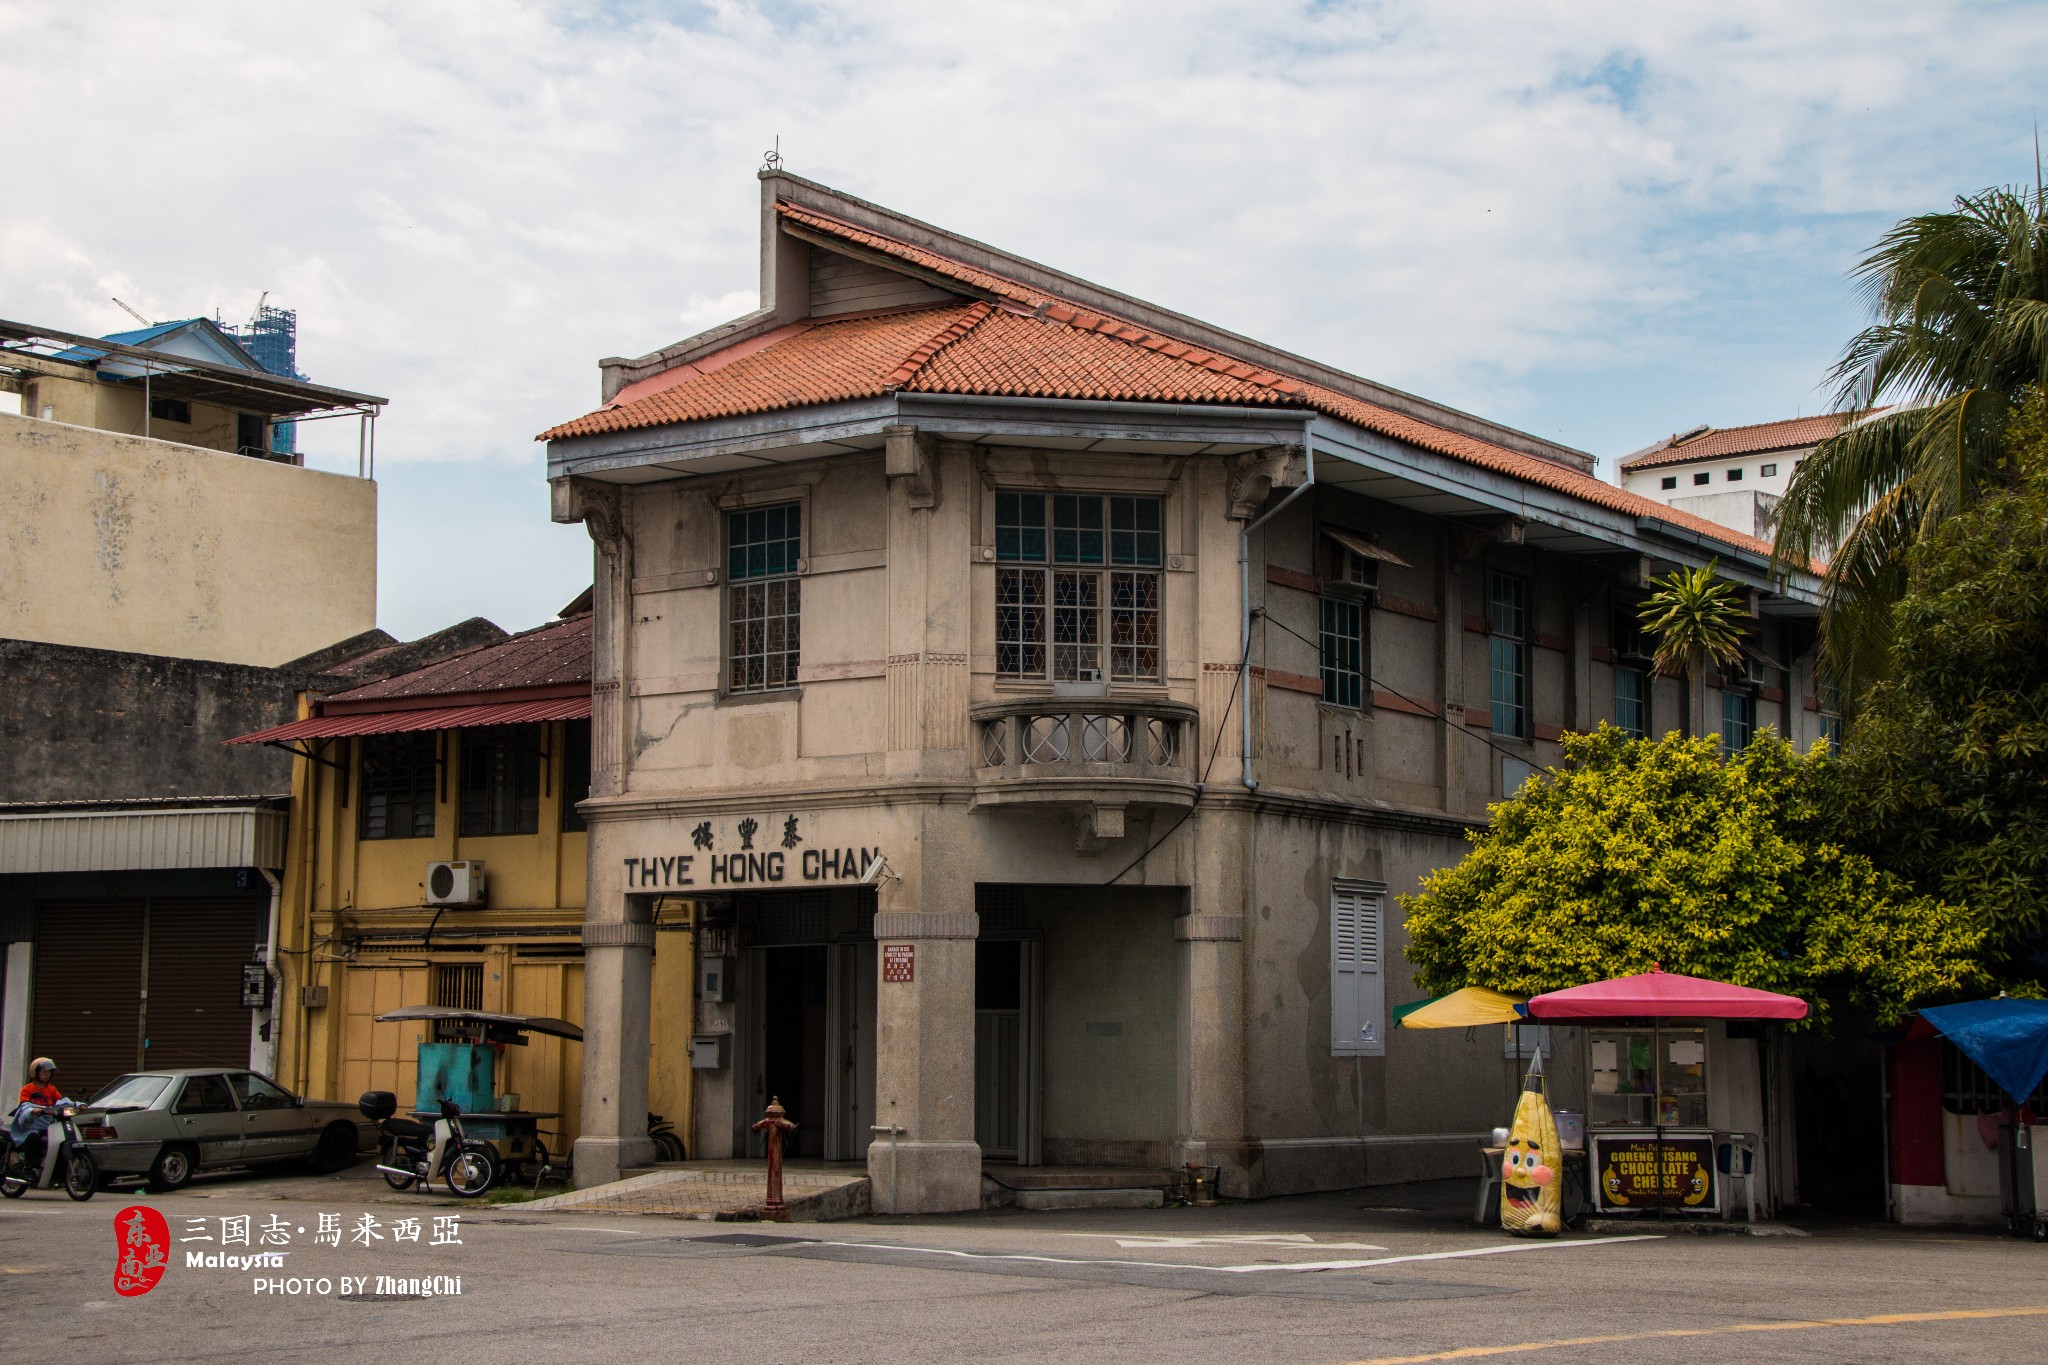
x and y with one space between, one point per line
65 1160
412 1153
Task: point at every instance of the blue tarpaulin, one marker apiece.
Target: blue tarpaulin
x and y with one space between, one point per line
2008 1038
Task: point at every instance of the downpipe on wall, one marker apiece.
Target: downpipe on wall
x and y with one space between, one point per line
1244 577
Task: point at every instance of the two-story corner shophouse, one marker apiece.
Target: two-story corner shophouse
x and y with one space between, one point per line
1045 695
437 858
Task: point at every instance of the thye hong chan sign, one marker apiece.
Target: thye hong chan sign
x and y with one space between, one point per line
726 855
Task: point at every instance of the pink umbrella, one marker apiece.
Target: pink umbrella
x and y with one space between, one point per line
1658 994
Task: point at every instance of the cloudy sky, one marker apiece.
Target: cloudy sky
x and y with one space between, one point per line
1601 223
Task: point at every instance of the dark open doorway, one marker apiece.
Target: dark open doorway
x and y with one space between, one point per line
794 1041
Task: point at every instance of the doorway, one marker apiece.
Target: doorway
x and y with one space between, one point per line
808 1039
793 1044
1006 1050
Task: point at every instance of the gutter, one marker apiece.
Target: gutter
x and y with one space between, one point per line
1244 576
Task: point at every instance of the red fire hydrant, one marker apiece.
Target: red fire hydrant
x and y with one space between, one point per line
772 1126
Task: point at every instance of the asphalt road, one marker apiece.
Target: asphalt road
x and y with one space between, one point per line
1327 1279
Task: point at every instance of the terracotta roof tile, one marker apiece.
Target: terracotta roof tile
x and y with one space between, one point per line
1058 351
1024 357
1795 433
822 364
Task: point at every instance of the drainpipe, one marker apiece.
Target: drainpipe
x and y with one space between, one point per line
270 963
1244 576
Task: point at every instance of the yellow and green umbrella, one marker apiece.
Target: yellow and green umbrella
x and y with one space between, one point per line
1460 1009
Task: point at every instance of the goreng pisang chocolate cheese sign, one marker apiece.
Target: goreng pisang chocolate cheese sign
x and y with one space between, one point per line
1626 1172
747 852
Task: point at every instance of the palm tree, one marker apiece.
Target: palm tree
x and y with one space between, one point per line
1697 620
1960 302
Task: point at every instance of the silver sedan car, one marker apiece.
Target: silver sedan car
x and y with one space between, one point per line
168 1125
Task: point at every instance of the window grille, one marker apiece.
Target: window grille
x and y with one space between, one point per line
458 985
501 780
1738 720
575 771
1632 700
763 598
397 785
1507 621
1343 652
1078 587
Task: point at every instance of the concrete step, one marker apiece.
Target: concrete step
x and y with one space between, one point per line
1076 1187
1047 1200
724 1191
1082 1177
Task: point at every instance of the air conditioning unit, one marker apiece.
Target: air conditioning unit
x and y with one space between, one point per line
456 883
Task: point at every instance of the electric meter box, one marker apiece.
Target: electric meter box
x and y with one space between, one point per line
714 980
710 1051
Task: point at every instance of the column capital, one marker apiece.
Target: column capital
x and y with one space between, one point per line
897 924
617 934
1209 928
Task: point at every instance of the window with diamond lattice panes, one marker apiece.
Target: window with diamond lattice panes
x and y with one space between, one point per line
1078 587
1507 652
763 597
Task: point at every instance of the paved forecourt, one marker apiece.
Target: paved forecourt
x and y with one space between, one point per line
1328 1279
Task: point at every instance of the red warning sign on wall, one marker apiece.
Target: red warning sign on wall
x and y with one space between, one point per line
899 961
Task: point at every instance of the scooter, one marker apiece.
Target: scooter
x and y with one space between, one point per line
65 1159
412 1153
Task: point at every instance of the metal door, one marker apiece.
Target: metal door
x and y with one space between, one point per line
850 1084
197 946
87 1002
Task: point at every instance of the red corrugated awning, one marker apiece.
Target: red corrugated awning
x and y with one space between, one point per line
433 718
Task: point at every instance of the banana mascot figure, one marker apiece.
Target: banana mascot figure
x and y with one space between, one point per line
1531 1188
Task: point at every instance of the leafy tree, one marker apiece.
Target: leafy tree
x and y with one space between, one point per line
1642 852
1960 330
1697 621
1948 759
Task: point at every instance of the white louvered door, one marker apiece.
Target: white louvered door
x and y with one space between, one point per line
1358 994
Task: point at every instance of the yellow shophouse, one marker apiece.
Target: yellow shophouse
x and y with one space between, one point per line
437 857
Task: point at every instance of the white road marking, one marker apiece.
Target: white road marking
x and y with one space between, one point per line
1237 1269
1290 1240
1449 1255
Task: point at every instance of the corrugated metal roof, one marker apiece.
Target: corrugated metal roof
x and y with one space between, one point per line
430 718
546 656
138 841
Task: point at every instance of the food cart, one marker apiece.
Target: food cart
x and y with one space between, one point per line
466 1072
1650 1091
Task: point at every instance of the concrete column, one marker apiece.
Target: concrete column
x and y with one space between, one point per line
924 1063
618 970
1210 1124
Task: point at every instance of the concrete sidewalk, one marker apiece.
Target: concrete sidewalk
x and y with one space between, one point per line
814 1192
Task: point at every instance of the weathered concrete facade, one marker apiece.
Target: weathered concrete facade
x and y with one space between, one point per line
1027 901
146 546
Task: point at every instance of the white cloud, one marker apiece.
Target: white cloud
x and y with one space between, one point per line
1597 220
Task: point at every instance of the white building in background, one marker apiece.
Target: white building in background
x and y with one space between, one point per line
1733 476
